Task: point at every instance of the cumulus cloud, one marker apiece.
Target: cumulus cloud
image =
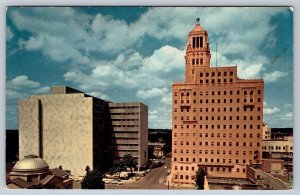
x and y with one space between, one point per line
23 81
79 39
155 71
99 95
274 76
269 111
165 59
41 90
105 34
287 116
9 34
13 94
145 94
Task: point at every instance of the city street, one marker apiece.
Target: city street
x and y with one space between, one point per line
153 180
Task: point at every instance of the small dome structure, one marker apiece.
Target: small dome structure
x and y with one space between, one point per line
31 163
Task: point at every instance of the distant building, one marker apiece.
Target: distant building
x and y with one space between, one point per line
266 132
70 128
268 181
157 149
34 172
279 148
130 131
217 118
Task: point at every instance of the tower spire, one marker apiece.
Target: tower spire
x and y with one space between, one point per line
198 20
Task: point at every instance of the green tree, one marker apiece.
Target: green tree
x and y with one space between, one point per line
93 180
129 161
118 167
200 178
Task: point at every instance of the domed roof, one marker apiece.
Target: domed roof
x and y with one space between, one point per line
197 30
31 163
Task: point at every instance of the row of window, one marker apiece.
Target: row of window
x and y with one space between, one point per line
251 92
125 119
197 61
245 109
217 126
277 147
125 125
237 135
218 101
123 107
218 144
214 74
213 80
181 168
212 160
237 152
126 113
187 118
218 169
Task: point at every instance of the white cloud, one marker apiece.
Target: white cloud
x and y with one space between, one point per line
154 92
251 71
269 111
41 90
274 76
155 71
165 59
9 34
23 81
287 116
99 95
13 94
109 35
78 40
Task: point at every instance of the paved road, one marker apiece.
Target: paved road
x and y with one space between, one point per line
153 180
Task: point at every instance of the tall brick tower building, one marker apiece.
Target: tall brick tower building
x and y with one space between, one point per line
217 118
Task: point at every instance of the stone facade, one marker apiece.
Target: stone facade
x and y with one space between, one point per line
217 118
72 129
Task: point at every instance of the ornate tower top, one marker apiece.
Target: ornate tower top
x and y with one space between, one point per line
197 52
197 30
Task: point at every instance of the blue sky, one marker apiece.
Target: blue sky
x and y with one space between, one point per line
135 53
